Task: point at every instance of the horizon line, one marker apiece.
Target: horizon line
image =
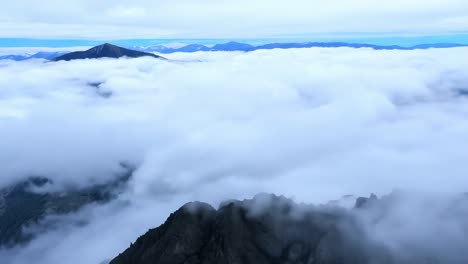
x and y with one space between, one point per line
385 40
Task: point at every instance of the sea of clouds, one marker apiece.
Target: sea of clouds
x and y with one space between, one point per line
311 124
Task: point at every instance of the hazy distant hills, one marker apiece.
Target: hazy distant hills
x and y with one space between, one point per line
237 46
112 51
40 55
105 51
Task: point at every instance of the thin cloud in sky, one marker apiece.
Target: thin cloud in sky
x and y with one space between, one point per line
227 19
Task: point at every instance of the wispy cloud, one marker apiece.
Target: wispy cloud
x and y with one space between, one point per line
227 19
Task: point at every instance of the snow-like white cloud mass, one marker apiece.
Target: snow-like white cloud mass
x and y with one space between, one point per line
227 19
313 124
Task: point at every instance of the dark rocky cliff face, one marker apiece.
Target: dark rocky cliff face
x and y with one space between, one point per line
250 232
105 51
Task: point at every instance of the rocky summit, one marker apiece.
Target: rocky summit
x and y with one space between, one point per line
105 51
265 230
274 230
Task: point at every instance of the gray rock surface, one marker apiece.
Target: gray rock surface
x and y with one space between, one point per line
254 232
21 205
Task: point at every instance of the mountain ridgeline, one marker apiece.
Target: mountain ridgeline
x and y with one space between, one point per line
39 55
237 46
258 231
274 230
28 202
112 51
105 51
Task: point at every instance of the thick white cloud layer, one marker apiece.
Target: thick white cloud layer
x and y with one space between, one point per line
214 18
313 124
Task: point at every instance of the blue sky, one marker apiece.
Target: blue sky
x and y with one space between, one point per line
404 41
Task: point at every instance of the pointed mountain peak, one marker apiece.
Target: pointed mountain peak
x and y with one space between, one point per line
105 50
108 46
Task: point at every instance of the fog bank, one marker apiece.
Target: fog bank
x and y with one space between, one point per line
312 124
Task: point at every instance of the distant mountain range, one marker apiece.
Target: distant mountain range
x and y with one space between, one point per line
112 51
237 46
40 55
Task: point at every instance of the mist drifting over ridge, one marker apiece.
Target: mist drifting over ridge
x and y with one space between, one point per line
313 124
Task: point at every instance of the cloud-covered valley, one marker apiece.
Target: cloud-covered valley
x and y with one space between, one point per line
313 124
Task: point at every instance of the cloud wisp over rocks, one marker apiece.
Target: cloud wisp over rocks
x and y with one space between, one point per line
314 124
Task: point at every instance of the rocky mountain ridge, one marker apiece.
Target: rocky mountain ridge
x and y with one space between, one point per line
24 203
267 229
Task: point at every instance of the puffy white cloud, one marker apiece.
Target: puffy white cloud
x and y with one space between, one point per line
225 19
313 124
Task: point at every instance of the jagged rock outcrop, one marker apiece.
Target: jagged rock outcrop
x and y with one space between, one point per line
364 201
21 205
265 230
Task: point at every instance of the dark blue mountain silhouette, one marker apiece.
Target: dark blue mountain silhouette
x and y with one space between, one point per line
105 51
39 55
233 46
236 46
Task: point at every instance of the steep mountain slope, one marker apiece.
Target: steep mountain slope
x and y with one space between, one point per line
24 204
274 230
265 230
105 51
